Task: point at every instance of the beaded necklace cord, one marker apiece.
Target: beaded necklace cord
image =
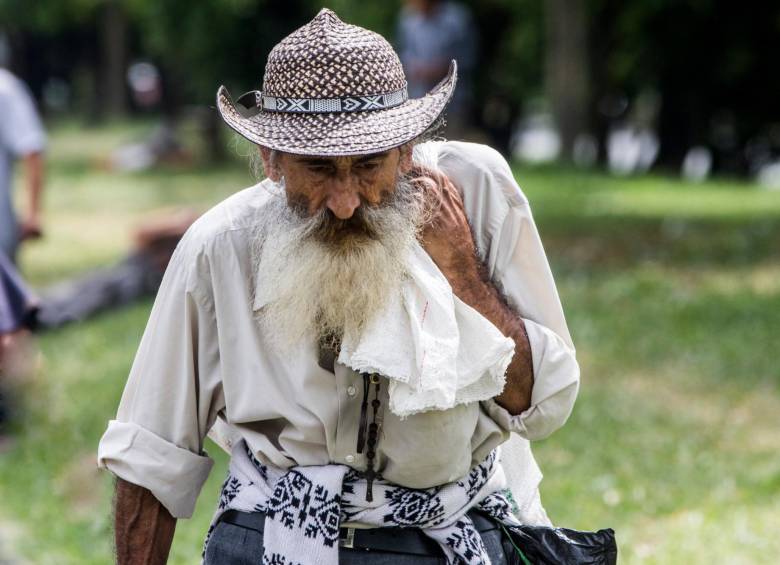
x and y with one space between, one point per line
373 429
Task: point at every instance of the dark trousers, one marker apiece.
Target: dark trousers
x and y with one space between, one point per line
234 545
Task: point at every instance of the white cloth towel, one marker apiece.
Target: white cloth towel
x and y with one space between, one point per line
436 350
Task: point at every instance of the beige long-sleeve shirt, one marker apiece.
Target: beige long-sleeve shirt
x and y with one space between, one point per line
204 359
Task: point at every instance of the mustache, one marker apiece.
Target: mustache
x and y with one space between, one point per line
327 228
367 223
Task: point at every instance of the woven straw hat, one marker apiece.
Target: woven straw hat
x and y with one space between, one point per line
331 89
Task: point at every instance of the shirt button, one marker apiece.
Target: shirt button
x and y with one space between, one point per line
351 390
349 459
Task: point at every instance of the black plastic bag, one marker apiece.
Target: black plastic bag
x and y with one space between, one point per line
539 545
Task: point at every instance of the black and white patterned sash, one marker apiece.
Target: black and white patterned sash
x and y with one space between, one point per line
305 506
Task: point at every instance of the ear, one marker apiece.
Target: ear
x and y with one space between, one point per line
270 164
405 159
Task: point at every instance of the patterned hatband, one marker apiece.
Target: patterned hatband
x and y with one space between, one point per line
325 105
331 89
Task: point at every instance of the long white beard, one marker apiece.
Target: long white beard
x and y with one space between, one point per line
330 282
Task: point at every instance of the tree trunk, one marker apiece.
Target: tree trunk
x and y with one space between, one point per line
566 68
113 40
213 127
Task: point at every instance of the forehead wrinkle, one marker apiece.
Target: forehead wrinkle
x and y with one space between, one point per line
313 160
342 160
372 156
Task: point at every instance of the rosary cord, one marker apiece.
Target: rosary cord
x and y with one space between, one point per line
373 439
361 441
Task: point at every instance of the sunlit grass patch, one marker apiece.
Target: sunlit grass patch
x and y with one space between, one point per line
687 202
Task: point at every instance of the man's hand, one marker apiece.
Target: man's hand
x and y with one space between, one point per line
143 528
448 240
447 236
30 228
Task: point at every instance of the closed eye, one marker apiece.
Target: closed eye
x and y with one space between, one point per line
320 169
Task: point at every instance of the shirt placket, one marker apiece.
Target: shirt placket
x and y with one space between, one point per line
349 391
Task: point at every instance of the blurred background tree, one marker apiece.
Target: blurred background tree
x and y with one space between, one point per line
712 63
700 72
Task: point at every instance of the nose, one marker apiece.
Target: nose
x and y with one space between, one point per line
343 198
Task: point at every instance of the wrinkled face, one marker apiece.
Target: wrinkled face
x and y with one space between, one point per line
335 251
344 186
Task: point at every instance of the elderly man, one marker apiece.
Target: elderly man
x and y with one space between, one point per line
362 330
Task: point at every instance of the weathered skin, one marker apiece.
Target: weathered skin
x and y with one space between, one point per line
143 528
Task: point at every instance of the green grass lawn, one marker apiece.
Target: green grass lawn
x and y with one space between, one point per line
672 292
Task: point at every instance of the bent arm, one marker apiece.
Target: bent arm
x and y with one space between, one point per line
509 246
34 169
471 284
449 242
143 528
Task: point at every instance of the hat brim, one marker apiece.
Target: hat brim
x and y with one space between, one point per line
341 133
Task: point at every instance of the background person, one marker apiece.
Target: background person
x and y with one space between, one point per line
22 137
430 34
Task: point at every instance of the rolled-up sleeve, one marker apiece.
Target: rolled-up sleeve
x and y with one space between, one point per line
509 243
556 383
173 392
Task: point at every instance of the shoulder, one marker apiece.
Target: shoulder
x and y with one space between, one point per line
216 250
7 82
229 223
474 166
455 14
487 187
11 87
